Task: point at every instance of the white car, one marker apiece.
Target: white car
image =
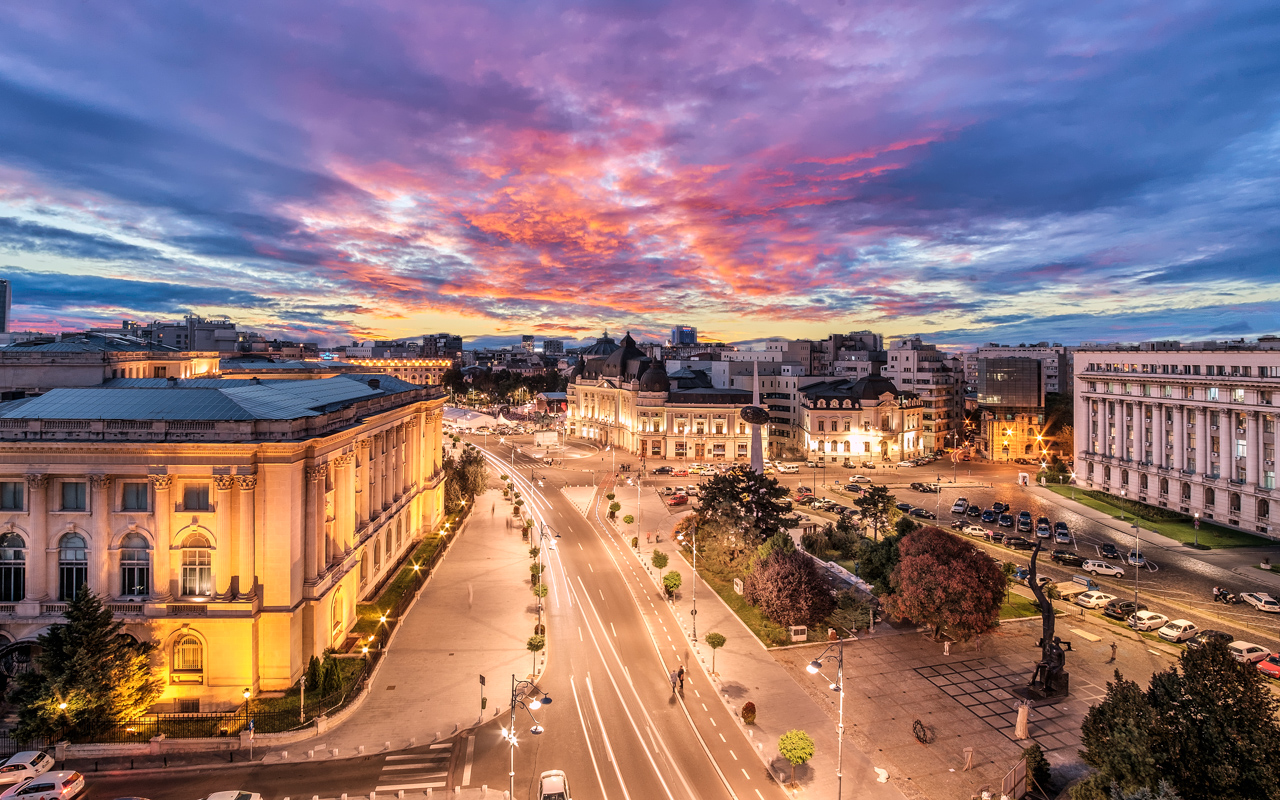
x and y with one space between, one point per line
960 506
789 468
27 764
1147 621
1247 652
708 470
860 479
553 785
1261 601
976 530
1102 568
49 786
1178 630
1094 599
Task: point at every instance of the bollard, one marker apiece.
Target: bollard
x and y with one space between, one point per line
344 796
335 752
361 749
400 794
284 756
413 741
373 795
311 754
386 745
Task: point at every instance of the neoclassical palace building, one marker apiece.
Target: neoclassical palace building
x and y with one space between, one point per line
236 523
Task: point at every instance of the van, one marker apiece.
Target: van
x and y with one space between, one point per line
789 469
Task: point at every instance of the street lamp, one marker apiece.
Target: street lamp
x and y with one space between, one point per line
539 699
694 614
814 667
247 695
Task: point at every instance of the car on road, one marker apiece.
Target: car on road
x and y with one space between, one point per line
1270 666
1247 652
23 765
49 786
813 464
1094 599
1109 550
903 507
999 507
663 470
868 465
923 513
1147 621
959 506
1136 558
1067 558
974 510
553 785
989 515
1122 609
860 479
788 469
709 471
1209 634
1018 543
1178 630
1262 601
1102 568
1005 521
680 472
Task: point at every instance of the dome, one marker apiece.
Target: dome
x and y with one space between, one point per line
616 365
604 346
655 379
872 386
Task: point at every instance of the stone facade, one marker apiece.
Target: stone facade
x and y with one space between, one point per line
867 419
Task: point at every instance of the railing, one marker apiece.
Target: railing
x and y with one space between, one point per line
9 745
53 608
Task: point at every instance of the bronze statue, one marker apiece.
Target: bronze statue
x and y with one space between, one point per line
1050 678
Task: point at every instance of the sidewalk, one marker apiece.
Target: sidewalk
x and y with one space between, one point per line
747 671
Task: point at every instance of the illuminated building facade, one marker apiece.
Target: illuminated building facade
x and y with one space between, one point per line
235 523
418 371
863 419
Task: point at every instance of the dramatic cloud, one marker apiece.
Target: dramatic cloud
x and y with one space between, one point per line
968 171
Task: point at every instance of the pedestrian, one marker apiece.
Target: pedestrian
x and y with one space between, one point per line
1216 592
1113 654
674 678
681 674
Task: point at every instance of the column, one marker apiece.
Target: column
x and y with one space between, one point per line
386 468
1253 449
343 503
1140 432
246 563
313 524
1122 431
1108 443
1202 440
362 481
1180 438
161 571
397 461
223 565
1158 433
104 561
375 477
406 456
38 503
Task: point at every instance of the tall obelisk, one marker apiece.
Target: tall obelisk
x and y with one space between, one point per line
755 416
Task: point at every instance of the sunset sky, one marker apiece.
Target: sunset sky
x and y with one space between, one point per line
969 172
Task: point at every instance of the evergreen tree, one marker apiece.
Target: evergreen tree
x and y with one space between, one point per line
742 505
330 676
313 674
102 676
875 505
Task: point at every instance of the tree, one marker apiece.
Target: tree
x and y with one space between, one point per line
877 559
330 676
1038 768
715 641
945 582
905 525
875 504
742 504
659 559
671 582
797 748
780 542
614 508
1206 725
788 588
536 642
312 678
102 675
853 613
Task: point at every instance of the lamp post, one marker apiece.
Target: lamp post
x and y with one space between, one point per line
814 667
540 699
1197 524
694 614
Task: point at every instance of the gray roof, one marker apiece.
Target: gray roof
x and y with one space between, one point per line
89 343
204 399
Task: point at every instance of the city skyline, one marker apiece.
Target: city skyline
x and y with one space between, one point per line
963 172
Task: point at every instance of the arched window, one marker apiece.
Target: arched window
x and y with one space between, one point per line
364 569
1264 509
135 566
13 568
1124 477
73 566
386 544
1027 450
337 614
197 567
1164 486
1210 497
188 654
377 553
1106 474
1186 493
1142 483
1233 502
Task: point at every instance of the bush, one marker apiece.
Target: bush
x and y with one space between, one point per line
635 542
905 525
1038 768
816 542
536 643
535 570
671 582
502 478
540 590
610 496
749 713
628 519
533 552
614 508
1149 513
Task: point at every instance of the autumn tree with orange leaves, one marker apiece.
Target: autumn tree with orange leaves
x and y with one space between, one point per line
945 582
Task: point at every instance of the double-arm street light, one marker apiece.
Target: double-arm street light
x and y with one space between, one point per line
694 614
815 666
520 690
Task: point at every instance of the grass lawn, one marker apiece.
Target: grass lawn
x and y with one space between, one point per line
348 668
770 632
1210 535
368 613
1016 607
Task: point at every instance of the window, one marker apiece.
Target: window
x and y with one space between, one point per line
73 496
1233 502
134 497
377 553
1210 497
1264 508
13 568
188 655
337 614
197 567
822 425
1164 486
73 566
135 566
11 496
1186 493
364 570
195 497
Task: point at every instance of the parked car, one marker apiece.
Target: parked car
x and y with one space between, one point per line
860 479
234 795
1122 609
868 465
1024 525
1136 558
1005 521
1109 550
1042 521
973 511
1208 635
1024 515
1061 527
923 513
50 786
1247 652
1262 601
1178 630
663 470
814 464
1094 567
1061 538
1067 558
553 785
1094 599
678 500
989 516
1147 621
23 765
903 507
1270 666
1044 531
959 506
975 530
999 507
1018 543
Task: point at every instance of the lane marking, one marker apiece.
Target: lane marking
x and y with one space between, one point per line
471 755
432 785
593 569
735 755
615 630
580 634
721 735
744 772
591 750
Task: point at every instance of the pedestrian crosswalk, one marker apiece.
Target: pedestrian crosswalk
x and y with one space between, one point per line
429 770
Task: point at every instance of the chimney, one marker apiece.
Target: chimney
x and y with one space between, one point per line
173 380
374 383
